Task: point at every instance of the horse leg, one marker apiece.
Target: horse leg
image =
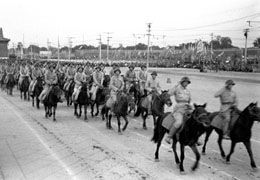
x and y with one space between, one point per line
85 113
109 121
80 110
220 138
46 111
54 113
92 108
233 144
144 116
21 94
177 161
154 120
159 142
118 123
197 154
182 157
126 123
250 153
75 109
208 133
37 102
33 101
97 106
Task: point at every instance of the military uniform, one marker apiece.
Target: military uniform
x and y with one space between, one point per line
69 78
98 78
228 99
50 79
79 78
116 84
36 73
142 77
24 72
130 77
88 71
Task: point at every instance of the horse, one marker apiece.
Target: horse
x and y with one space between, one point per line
120 109
51 101
101 96
37 91
83 100
61 79
2 81
69 92
10 84
194 126
157 108
135 89
24 88
240 132
131 102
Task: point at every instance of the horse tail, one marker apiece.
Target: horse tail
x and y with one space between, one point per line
157 130
138 111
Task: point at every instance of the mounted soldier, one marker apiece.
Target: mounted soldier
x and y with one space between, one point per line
50 80
153 87
116 85
183 98
69 77
130 77
88 71
142 77
114 67
36 73
98 78
79 78
228 100
24 72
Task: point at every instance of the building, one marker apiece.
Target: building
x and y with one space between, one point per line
3 46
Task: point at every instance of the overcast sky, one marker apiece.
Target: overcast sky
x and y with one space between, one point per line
84 20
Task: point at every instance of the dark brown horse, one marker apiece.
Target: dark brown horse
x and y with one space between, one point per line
24 88
83 100
37 91
120 109
240 132
157 108
10 84
193 128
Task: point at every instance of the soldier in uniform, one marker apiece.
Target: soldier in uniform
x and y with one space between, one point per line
69 77
116 85
24 72
88 72
114 67
228 99
142 77
36 73
182 97
98 78
153 87
130 77
50 80
79 78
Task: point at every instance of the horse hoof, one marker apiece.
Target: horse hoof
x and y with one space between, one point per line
54 120
203 153
254 169
182 172
86 120
120 133
145 128
156 160
227 162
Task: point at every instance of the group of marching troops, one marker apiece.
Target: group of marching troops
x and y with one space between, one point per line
80 73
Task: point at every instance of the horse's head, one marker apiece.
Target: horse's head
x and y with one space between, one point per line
56 92
131 100
166 98
200 115
84 86
254 111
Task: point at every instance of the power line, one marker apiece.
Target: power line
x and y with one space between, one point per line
215 24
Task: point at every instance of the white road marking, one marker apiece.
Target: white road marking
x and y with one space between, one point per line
54 155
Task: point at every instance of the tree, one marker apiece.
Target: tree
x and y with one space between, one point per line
256 42
43 49
216 44
34 49
225 42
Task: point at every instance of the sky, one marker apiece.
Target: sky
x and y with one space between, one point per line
173 22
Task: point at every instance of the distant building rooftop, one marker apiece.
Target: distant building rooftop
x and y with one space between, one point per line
2 39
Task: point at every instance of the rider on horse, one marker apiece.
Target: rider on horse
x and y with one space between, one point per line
228 99
116 85
88 72
142 77
69 77
24 72
36 73
79 78
130 77
50 80
10 70
182 98
98 78
153 87
114 66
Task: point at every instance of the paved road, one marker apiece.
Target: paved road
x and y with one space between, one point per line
33 147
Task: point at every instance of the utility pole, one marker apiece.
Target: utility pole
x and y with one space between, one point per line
31 52
58 48
70 46
211 50
100 43
108 37
148 43
246 34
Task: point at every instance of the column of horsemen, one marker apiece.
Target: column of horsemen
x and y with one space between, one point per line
149 87
228 122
